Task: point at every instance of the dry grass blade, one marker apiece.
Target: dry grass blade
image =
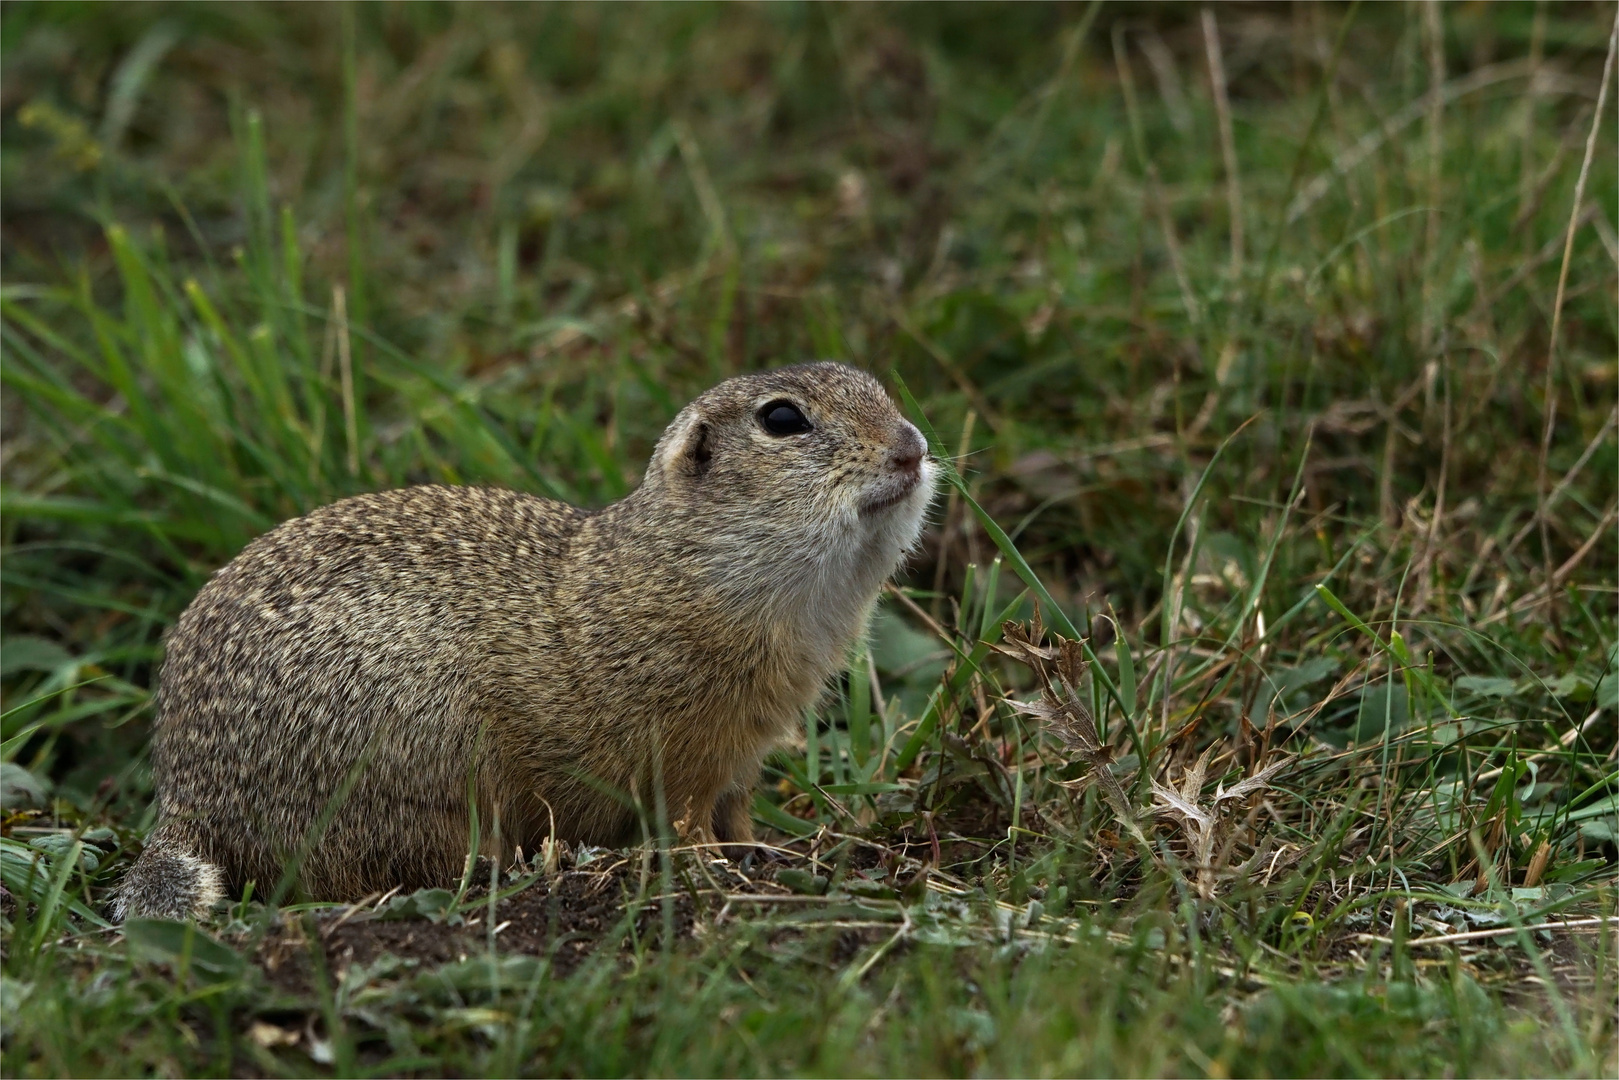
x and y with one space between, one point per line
1228 144
1550 389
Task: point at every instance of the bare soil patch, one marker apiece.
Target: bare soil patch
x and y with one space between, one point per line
563 918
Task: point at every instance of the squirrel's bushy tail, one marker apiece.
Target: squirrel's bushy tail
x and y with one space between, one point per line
169 880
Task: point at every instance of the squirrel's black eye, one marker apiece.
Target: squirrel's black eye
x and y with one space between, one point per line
783 418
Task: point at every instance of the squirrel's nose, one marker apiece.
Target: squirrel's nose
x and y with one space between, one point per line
909 447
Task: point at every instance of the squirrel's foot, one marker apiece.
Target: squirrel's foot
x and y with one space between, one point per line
748 856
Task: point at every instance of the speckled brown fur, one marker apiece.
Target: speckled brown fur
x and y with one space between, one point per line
361 665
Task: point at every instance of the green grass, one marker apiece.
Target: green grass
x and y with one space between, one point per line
1327 493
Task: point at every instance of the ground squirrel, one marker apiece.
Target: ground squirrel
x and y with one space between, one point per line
335 692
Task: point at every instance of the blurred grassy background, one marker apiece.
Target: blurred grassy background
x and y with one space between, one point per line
260 256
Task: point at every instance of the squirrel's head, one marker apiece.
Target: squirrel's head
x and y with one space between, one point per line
807 472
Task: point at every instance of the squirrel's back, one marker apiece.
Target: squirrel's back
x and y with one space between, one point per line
359 633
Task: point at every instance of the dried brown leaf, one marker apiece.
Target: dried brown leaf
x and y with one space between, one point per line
1257 782
1171 801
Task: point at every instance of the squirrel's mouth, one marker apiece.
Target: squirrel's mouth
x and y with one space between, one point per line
891 494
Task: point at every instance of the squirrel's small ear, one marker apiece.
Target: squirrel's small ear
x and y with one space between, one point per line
686 449
698 450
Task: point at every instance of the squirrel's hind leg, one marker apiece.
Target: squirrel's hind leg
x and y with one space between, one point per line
169 880
733 825
733 816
